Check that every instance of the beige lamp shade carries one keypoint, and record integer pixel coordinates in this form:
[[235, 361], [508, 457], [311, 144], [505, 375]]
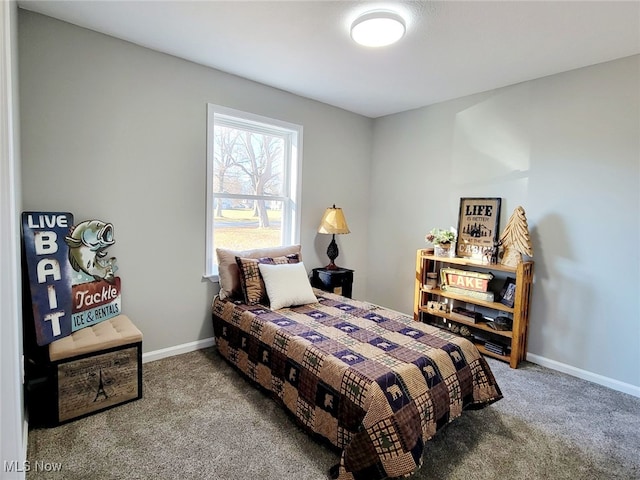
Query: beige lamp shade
[[333, 222]]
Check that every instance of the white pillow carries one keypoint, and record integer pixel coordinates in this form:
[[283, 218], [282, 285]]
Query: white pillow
[[287, 285]]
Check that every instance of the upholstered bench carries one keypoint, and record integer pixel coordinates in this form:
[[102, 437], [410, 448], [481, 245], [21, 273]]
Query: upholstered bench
[[95, 368], [111, 333]]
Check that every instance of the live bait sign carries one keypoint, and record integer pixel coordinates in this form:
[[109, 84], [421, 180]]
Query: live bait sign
[[71, 282]]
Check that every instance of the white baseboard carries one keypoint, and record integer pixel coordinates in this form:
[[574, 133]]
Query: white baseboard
[[177, 350], [583, 374]]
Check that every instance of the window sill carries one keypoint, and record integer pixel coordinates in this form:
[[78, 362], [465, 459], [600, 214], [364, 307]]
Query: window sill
[[214, 278]]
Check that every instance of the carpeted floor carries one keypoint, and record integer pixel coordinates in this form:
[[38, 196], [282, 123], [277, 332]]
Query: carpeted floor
[[198, 419]]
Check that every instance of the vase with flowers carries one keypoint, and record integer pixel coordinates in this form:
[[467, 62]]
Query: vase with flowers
[[443, 242]]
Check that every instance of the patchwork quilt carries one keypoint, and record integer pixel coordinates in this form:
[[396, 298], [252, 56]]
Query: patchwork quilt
[[373, 382]]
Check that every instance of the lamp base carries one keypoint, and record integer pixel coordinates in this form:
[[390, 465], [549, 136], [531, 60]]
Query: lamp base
[[332, 253]]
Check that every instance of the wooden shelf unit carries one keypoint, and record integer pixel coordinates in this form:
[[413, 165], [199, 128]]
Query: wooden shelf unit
[[516, 339]]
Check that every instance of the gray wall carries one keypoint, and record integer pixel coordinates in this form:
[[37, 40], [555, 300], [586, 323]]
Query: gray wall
[[566, 148], [114, 131]]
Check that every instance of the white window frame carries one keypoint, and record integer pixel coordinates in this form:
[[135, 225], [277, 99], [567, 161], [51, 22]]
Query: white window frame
[[290, 233]]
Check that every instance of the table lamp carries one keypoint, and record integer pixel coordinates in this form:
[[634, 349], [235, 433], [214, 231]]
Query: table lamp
[[332, 223]]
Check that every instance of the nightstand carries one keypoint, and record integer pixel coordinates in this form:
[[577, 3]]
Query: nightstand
[[337, 281]]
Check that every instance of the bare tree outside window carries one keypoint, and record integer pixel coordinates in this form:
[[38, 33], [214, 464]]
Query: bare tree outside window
[[252, 173]]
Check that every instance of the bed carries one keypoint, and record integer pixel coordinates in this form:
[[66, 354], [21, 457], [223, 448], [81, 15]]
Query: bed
[[371, 381]]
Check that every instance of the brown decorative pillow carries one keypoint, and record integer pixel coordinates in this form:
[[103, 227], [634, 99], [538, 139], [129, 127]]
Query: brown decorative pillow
[[251, 280], [228, 272]]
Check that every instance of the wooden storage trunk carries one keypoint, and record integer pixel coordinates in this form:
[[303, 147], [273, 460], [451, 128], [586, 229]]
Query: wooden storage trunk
[[94, 369], [94, 382]]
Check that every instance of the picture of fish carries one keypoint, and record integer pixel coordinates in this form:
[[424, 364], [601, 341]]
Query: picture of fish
[[88, 242]]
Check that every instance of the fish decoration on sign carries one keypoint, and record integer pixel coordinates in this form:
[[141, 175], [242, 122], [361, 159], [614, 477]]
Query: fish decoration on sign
[[88, 242]]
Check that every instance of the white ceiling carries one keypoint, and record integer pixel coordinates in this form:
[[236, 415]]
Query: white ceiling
[[451, 49]]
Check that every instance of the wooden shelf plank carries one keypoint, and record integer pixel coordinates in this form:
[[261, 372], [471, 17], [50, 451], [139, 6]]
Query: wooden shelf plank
[[472, 263], [484, 351], [475, 301]]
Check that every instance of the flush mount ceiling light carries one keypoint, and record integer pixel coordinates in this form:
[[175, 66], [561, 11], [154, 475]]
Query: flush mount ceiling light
[[378, 28]]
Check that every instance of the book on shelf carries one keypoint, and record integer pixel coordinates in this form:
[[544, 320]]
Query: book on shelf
[[459, 313], [496, 348]]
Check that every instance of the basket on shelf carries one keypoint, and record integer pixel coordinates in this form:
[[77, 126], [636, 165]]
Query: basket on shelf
[[444, 250]]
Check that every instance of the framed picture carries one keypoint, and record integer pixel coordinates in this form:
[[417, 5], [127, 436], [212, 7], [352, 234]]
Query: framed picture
[[478, 228], [508, 292]]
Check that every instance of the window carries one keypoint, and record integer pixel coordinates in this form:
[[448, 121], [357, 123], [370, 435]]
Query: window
[[253, 177]]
